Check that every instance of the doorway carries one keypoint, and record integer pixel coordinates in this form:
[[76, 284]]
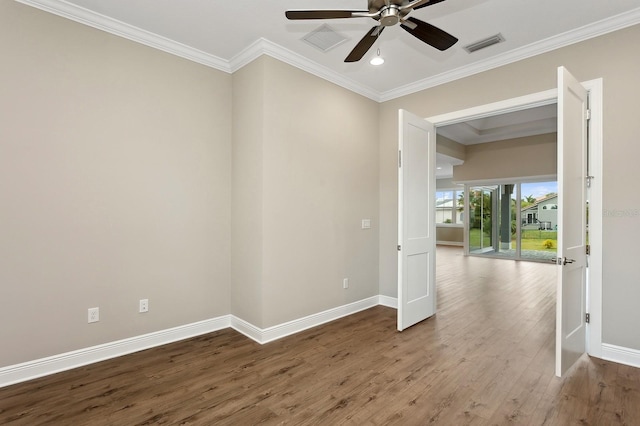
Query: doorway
[[594, 278]]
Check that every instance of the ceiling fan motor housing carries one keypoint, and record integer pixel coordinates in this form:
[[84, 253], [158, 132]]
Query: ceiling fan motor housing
[[390, 16]]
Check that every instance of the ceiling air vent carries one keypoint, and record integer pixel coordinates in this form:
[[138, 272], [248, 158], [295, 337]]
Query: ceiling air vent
[[324, 38], [481, 44]]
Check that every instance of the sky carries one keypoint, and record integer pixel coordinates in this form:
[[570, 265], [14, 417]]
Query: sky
[[539, 189]]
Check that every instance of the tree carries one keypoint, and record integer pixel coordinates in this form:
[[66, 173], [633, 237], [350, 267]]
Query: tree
[[528, 200]]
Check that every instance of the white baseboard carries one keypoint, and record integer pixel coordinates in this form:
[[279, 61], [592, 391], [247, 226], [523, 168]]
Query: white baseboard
[[449, 243], [54, 364], [621, 355], [279, 331], [17, 373], [45, 366], [390, 302]]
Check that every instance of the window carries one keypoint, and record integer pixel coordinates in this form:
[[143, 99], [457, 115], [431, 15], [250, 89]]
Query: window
[[449, 206]]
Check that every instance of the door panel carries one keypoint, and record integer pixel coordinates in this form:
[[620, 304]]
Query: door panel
[[416, 220], [572, 172]]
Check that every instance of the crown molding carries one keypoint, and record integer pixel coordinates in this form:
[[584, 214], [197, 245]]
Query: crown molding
[[263, 46], [586, 32], [121, 29]]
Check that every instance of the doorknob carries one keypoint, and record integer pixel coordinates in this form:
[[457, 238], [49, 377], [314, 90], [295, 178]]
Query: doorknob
[[561, 261]]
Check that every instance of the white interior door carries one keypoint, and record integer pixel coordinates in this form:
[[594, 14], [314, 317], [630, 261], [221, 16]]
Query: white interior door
[[572, 186], [416, 220]]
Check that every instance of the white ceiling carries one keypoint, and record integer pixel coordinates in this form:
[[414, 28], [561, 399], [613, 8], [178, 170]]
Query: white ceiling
[[228, 34]]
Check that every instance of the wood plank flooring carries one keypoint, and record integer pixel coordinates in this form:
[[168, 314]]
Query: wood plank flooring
[[486, 358]]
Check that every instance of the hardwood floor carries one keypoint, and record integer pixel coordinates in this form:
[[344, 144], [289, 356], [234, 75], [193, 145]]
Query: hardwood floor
[[486, 358]]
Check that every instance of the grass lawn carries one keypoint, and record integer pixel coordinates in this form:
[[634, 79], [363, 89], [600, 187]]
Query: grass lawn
[[535, 244], [534, 240], [531, 240]]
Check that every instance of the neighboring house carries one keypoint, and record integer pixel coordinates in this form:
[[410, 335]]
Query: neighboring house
[[543, 214], [446, 209]]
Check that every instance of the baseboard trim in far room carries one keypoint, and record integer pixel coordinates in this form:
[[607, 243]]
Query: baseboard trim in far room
[[18, 373]]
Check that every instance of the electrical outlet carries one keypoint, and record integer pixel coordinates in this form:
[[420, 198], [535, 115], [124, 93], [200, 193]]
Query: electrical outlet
[[345, 283], [94, 315], [144, 305]]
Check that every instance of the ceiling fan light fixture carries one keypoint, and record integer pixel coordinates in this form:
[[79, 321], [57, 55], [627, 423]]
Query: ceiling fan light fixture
[[377, 60]]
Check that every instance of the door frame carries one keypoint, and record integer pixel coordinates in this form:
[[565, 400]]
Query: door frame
[[594, 271]]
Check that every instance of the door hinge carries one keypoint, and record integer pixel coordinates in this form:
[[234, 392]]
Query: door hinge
[[588, 249], [399, 247], [587, 114], [589, 179], [399, 159], [587, 318]]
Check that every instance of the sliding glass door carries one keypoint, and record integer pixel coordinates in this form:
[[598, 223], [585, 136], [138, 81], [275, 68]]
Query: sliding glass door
[[512, 220], [481, 219]]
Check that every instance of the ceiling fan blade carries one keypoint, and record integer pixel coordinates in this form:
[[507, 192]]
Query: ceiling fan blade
[[365, 44], [323, 14], [427, 4], [429, 34]]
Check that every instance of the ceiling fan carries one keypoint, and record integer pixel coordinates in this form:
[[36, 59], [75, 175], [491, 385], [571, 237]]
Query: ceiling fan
[[387, 13]]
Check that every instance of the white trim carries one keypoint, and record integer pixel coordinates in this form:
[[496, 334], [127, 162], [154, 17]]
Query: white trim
[[244, 327], [286, 329], [511, 179], [279, 331], [450, 243], [124, 30], [621, 355], [263, 46], [594, 341], [388, 301], [54, 364], [519, 103], [586, 32], [17, 373]]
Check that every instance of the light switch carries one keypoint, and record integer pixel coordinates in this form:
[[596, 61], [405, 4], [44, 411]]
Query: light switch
[[366, 223]]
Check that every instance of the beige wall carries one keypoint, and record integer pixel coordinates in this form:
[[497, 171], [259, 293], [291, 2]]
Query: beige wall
[[514, 158], [317, 148], [114, 186], [450, 234], [247, 193], [116, 183], [608, 57], [450, 147]]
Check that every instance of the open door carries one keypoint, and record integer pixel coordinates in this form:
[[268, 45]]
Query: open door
[[416, 220], [572, 227]]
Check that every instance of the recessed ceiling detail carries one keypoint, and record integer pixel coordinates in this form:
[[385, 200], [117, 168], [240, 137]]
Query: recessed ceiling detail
[[481, 44], [518, 124], [324, 38]]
